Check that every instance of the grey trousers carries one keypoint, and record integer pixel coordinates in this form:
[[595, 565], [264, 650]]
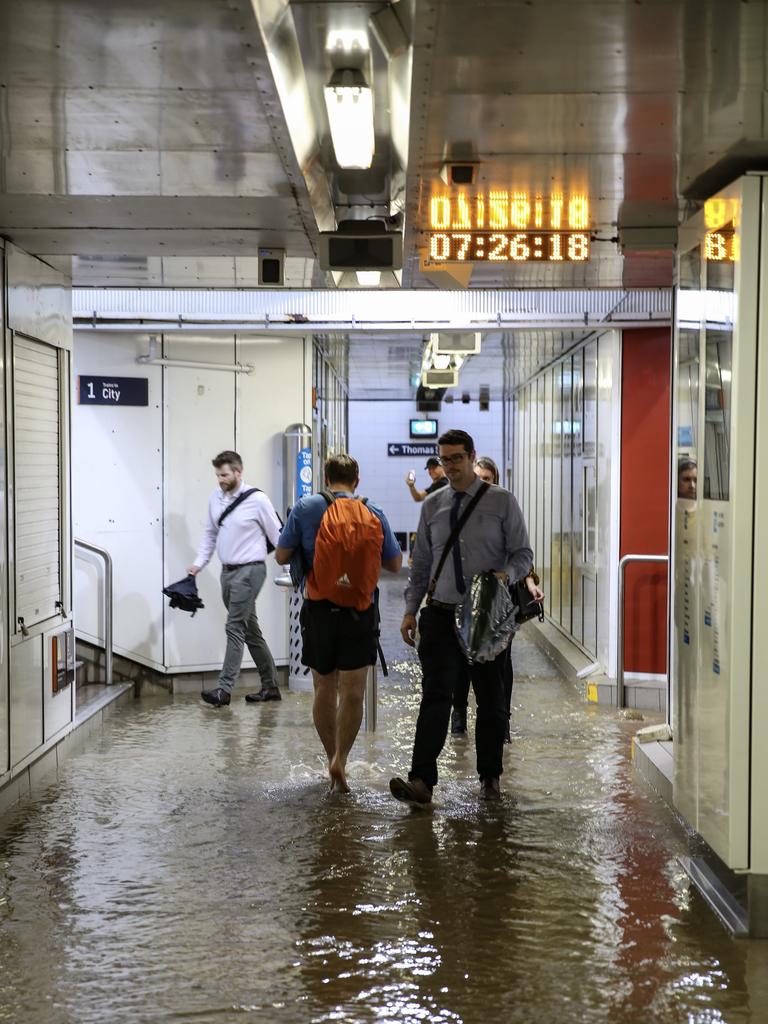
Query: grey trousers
[[239, 589]]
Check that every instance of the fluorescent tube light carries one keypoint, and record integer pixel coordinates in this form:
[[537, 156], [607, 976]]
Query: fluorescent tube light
[[349, 102], [369, 278]]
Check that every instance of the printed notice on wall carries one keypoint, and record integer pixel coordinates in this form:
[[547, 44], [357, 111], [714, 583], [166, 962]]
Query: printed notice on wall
[[113, 390]]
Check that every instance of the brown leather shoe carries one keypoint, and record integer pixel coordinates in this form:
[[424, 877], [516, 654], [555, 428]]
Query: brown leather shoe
[[412, 792], [490, 789], [271, 693]]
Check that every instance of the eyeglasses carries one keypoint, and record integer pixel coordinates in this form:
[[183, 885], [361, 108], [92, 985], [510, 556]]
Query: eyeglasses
[[452, 460]]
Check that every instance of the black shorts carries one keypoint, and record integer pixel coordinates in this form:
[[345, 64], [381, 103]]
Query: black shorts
[[337, 638]]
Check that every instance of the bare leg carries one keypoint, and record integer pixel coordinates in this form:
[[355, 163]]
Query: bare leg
[[348, 719], [324, 710]]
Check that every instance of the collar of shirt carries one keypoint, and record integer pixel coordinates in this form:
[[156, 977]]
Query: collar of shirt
[[472, 489]]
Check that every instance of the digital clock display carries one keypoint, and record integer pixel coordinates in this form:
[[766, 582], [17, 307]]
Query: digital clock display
[[721, 246], [503, 226]]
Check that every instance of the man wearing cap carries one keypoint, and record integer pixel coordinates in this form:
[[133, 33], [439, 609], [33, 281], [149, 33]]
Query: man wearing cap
[[436, 472]]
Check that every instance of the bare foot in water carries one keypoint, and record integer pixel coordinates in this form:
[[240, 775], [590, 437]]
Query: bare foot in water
[[338, 778]]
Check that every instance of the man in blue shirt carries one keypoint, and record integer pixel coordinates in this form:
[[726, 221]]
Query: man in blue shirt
[[338, 643]]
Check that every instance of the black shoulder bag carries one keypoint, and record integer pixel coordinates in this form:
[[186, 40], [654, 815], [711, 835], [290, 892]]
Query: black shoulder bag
[[453, 537], [527, 607], [238, 501]]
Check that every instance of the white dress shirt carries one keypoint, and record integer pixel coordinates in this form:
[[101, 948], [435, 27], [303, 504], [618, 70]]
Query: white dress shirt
[[242, 536]]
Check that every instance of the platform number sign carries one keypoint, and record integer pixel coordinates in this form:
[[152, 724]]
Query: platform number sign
[[113, 390]]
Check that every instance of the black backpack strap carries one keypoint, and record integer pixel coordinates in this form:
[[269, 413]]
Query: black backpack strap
[[377, 631], [454, 537], [329, 496], [238, 501]]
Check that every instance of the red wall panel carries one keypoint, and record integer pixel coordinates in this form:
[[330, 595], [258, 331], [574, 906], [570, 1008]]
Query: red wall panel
[[645, 446]]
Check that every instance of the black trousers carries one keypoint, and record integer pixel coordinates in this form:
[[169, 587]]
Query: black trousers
[[504, 661], [443, 668]]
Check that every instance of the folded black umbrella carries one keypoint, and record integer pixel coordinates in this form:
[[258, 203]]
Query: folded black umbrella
[[183, 594]]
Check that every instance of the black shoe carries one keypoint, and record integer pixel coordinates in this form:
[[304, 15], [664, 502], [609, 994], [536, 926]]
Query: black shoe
[[490, 789], [218, 697], [413, 792], [459, 722], [270, 693]]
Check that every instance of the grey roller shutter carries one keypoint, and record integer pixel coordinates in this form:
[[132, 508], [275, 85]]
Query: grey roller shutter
[[37, 480]]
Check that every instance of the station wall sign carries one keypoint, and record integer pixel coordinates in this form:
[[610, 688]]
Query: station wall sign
[[419, 448], [113, 390]]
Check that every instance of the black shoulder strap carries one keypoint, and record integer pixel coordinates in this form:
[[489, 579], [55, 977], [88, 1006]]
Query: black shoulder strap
[[238, 501], [329, 496], [454, 537]]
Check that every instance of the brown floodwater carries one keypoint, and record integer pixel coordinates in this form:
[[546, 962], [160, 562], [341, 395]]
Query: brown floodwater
[[188, 866]]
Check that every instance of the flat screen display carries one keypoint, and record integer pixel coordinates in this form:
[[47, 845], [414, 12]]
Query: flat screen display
[[423, 428]]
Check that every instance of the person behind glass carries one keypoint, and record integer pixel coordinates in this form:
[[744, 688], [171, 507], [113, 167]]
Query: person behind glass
[[240, 541], [495, 539], [687, 474], [436, 472]]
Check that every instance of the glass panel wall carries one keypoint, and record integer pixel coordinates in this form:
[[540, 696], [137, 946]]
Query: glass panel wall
[[577, 475], [557, 489], [566, 468], [555, 423], [544, 555], [589, 483]]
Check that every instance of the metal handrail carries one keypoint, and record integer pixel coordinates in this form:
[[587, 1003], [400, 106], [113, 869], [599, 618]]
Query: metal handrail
[[620, 667], [108, 603]]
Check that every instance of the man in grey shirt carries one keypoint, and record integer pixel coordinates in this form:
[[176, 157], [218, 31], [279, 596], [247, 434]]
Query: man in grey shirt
[[494, 539]]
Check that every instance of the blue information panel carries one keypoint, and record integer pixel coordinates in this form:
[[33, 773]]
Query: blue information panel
[[416, 448], [304, 472], [113, 390]]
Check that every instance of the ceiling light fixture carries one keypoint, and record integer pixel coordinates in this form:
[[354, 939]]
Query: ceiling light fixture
[[349, 101], [369, 278]]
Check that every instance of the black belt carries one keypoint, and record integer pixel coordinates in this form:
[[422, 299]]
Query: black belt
[[442, 605], [241, 565]]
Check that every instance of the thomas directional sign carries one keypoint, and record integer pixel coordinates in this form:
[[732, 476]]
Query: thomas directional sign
[[419, 448], [113, 390]]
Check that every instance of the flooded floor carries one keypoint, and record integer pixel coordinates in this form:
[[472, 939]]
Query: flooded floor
[[189, 866]]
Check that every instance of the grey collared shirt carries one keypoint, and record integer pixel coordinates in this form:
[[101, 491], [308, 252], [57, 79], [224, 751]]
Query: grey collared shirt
[[494, 538]]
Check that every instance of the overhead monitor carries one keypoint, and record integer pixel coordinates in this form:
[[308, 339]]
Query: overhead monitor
[[423, 428], [466, 343], [440, 378]]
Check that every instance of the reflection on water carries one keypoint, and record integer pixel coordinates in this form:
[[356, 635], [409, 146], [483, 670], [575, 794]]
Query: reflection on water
[[189, 866]]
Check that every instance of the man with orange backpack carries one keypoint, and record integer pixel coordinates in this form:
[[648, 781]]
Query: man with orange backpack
[[344, 541]]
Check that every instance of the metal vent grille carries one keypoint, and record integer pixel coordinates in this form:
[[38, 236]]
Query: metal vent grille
[[37, 474]]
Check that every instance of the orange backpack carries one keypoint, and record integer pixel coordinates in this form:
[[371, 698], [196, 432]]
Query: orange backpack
[[347, 562]]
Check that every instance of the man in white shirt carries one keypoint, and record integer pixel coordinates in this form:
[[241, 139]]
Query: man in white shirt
[[241, 520]]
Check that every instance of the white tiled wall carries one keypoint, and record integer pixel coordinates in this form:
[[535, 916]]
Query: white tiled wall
[[373, 425]]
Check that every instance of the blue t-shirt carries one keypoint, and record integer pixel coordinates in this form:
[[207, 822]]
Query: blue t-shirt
[[304, 522]]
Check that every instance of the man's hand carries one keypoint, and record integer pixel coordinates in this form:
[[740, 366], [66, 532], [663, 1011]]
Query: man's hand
[[193, 570], [408, 629], [533, 589]]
